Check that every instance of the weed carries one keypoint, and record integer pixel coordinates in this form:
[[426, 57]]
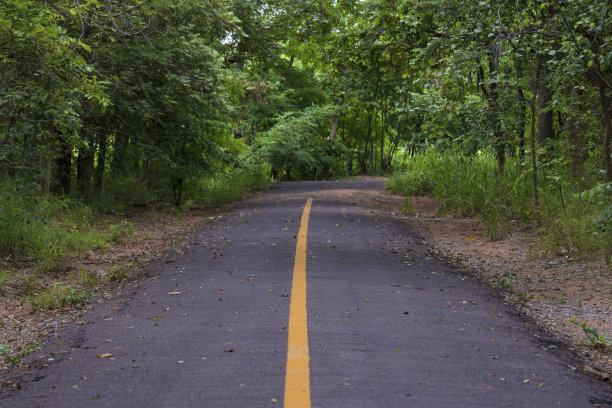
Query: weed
[[523, 297], [123, 229], [507, 281], [28, 285], [119, 272], [407, 207], [593, 338], [562, 300], [58, 296], [52, 257], [90, 279], [4, 278], [15, 358]]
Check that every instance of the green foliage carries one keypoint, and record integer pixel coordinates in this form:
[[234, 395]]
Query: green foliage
[[119, 273], [46, 230], [123, 229], [465, 185], [523, 297], [4, 278], [568, 221], [248, 176], [593, 338], [58, 296], [297, 147], [507, 281], [16, 358], [90, 279]]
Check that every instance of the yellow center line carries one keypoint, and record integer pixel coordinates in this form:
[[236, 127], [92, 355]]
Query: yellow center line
[[297, 378]]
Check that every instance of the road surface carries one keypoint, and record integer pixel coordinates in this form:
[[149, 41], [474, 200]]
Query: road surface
[[351, 310]]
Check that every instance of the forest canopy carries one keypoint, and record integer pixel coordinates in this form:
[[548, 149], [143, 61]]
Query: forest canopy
[[127, 103]]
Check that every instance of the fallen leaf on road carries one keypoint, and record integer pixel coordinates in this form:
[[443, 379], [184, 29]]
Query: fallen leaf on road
[[174, 293], [105, 355]]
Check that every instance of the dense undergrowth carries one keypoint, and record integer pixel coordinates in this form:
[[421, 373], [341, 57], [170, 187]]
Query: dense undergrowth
[[45, 231], [571, 217]]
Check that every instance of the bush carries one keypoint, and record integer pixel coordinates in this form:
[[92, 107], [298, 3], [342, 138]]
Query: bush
[[568, 220], [297, 147], [250, 175]]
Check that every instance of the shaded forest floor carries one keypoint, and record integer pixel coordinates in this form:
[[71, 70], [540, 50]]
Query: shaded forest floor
[[551, 290]]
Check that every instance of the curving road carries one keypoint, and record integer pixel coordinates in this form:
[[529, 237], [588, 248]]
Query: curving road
[[384, 323]]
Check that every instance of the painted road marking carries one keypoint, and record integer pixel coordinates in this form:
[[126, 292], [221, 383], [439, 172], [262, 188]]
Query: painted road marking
[[297, 378]]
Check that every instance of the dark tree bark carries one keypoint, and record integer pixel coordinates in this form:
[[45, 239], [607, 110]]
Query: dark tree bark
[[534, 158], [492, 95], [100, 159], [574, 134], [85, 165], [521, 127], [47, 165], [604, 103], [334, 121], [120, 146], [63, 168], [545, 117]]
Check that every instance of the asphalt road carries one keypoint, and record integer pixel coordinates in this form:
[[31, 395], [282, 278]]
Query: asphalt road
[[389, 324]]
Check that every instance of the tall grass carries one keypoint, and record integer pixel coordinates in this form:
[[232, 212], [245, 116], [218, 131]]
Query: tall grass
[[469, 185], [44, 229], [227, 188]]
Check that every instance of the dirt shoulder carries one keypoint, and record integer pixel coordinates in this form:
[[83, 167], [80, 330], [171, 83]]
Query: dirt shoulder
[[156, 233], [552, 290]]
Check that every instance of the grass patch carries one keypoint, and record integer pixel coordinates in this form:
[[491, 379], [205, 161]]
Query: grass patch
[[58, 296], [227, 188], [569, 219], [119, 273]]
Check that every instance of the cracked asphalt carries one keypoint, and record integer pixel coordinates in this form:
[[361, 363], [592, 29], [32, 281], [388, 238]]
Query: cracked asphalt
[[389, 324]]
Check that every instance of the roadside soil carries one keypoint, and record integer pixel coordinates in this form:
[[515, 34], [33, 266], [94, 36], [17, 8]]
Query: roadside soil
[[551, 290], [156, 233]]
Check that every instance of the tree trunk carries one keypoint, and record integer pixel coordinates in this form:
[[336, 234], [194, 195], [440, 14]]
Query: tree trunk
[[545, 117], [363, 162], [521, 127], [500, 143], [334, 127], [47, 168], [574, 134], [604, 104], [63, 165], [85, 166], [334, 123], [371, 138], [382, 139], [534, 158], [100, 160], [120, 147]]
